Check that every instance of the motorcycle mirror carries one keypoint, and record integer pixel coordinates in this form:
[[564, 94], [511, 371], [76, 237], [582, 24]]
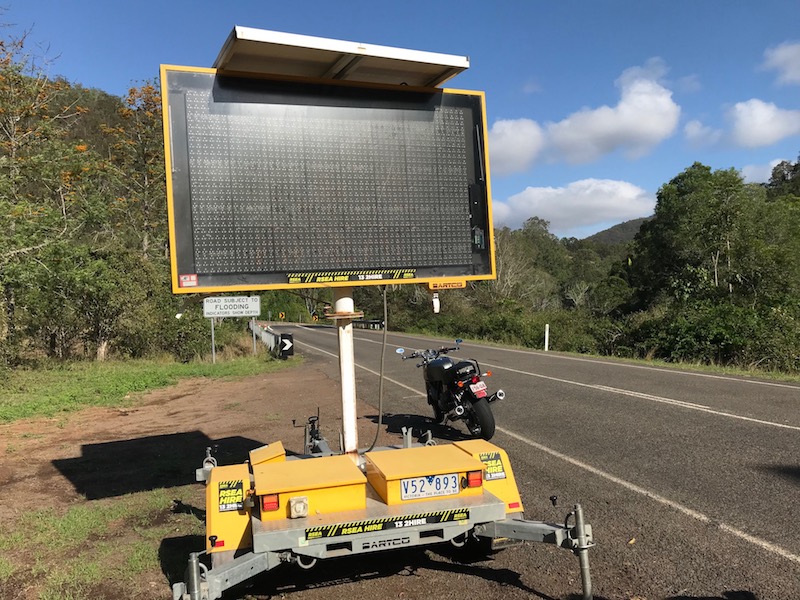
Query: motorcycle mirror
[[401, 351], [458, 341]]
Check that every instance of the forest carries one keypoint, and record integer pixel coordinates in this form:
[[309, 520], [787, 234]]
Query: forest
[[713, 277]]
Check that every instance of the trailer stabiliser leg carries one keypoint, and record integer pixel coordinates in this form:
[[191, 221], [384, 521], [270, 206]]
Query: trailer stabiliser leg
[[578, 539], [193, 576], [582, 551]]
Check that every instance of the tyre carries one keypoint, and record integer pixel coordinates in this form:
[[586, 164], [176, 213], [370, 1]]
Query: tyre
[[481, 422], [438, 415]]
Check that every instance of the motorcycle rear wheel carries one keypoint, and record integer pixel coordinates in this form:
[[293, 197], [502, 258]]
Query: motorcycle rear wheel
[[481, 421]]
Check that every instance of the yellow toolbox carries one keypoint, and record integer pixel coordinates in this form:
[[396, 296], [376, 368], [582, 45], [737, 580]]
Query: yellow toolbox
[[310, 486], [227, 512], [401, 476]]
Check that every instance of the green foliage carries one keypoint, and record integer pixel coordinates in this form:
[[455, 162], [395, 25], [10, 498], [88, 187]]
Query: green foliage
[[712, 277], [89, 550], [60, 388]]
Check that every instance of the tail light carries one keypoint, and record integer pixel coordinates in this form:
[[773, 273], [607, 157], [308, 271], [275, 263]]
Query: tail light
[[474, 479], [270, 503]]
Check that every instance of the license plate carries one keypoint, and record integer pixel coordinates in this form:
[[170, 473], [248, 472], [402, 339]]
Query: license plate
[[430, 486], [479, 389]]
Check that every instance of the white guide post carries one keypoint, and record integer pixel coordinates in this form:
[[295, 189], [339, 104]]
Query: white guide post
[[344, 312]]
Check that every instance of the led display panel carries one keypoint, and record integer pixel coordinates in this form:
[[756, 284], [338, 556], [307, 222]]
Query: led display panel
[[275, 184]]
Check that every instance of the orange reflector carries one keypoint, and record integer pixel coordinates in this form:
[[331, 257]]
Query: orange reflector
[[474, 479], [460, 383], [488, 373], [513, 505], [270, 502]]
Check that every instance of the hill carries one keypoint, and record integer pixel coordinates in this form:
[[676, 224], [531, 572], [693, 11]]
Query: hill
[[618, 234]]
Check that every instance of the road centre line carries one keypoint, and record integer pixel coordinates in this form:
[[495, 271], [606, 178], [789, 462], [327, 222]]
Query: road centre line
[[652, 398], [633, 394], [698, 516], [622, 364]]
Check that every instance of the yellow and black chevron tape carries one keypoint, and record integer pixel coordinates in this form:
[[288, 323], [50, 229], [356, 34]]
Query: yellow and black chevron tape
[[372, 525]]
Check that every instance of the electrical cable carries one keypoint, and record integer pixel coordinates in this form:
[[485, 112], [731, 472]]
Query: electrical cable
[[383, 358]]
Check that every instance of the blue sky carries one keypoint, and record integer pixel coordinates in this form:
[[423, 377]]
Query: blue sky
[[592, 105]]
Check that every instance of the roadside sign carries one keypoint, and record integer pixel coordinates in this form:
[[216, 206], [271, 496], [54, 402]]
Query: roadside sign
[[239, 306], [287, 345], [282, 315]]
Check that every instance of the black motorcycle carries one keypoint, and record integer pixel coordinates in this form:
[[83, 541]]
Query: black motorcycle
[[456, 391]]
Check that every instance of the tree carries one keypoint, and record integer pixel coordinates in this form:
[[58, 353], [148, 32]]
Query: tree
[[689, 246], [785, 181], [41, 181], [139, 208]]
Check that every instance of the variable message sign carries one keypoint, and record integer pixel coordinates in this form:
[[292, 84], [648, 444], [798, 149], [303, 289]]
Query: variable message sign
[[279, 184]]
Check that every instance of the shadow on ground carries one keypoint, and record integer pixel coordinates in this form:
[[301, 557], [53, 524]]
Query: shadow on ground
[[405, 563], [419, 424], [791, 472], [160, 461]]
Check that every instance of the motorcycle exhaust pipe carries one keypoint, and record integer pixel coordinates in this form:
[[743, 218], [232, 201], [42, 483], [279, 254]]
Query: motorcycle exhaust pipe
[[498, 395]]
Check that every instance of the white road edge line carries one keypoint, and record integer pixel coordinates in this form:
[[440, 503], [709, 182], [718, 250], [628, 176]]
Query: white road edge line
[[543, 354], [642, 395], [698, 516], [652, 398]]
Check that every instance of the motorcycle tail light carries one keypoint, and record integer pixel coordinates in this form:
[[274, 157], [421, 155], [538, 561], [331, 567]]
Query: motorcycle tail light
[[474, 479], [475, 379]]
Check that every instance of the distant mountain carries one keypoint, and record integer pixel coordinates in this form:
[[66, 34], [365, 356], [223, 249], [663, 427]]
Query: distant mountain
[[618, 234]]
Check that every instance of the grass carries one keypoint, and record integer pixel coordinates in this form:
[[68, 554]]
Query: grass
[[6, 569], [111, 547], [65, 388], [678, 366], [87, 550]]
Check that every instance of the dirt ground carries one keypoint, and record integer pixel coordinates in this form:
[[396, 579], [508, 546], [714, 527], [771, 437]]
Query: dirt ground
[[104, 454]]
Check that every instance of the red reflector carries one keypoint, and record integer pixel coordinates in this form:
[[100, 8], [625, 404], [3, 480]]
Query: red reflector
[[219, 544], [270, 502], [475, 479], [513, 505]]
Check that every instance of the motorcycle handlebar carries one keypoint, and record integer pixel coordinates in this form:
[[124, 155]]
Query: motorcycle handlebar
[[430, 353]]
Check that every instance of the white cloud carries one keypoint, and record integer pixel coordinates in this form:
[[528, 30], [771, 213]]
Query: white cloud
[[577, 206], [699, 135], [645, 116], [514, 145], [785, 59], [758, 123], [759, 173]]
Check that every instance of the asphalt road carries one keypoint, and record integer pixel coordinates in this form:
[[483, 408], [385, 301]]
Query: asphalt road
[[691, 481]]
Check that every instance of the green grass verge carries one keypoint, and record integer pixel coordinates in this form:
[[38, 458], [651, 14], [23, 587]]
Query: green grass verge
[[69, 387], [676, 366], [89, 550]]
